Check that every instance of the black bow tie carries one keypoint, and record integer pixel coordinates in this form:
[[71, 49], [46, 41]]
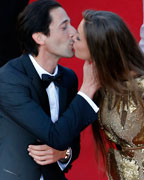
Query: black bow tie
[[47, 79]]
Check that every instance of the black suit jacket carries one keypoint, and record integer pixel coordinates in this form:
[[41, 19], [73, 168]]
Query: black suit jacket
[[24, 119]]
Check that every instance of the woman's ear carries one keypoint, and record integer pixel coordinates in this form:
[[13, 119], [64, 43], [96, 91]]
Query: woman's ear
[[39, 38]]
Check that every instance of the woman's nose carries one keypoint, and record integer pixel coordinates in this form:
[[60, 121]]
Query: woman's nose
[[74, 37]]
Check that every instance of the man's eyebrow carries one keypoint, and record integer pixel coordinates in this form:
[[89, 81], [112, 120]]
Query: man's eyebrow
[[65, 21]]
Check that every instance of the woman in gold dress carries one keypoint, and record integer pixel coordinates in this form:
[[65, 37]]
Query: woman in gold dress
[[105, 40]]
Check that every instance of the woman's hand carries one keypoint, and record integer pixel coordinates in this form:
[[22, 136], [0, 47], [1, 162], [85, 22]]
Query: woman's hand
[[90, 79]]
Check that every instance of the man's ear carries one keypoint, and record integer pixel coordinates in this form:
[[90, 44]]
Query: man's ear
[[39, 38]]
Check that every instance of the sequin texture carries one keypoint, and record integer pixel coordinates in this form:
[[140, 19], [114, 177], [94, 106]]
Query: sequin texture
[[122, 119]]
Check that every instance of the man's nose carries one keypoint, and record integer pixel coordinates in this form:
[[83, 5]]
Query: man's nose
[[72, 31]]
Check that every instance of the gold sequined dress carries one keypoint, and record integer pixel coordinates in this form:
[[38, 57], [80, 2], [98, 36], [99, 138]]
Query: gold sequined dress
[[123, 121]]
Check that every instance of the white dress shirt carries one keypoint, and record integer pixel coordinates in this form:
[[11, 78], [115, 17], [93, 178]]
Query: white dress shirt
[[141, 43]]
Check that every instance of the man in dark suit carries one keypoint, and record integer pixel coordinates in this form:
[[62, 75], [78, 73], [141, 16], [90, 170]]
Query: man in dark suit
[[9, 47], [36, 108]]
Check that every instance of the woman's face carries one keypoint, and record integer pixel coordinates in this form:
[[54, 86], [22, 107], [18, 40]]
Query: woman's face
[[80, 43]]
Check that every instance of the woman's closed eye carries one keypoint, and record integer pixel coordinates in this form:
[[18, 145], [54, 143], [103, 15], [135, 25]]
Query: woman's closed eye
[[78, 38]]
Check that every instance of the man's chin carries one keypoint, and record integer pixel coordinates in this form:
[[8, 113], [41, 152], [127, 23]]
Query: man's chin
[[70, 54], [67, 54]]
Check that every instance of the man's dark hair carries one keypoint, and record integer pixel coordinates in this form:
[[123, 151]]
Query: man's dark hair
[[35, 18]]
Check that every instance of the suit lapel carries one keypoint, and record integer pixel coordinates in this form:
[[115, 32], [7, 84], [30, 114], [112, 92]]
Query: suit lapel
[[62, 93], [36, 82], [62, 99]]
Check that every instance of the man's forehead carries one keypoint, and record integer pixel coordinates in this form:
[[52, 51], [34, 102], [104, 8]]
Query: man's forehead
[[59, 16]]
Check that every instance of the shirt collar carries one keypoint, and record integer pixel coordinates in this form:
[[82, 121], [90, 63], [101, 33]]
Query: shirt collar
[[39, 69]]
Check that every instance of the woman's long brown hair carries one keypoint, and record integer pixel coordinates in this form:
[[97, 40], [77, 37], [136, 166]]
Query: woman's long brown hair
[[115, 53]]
